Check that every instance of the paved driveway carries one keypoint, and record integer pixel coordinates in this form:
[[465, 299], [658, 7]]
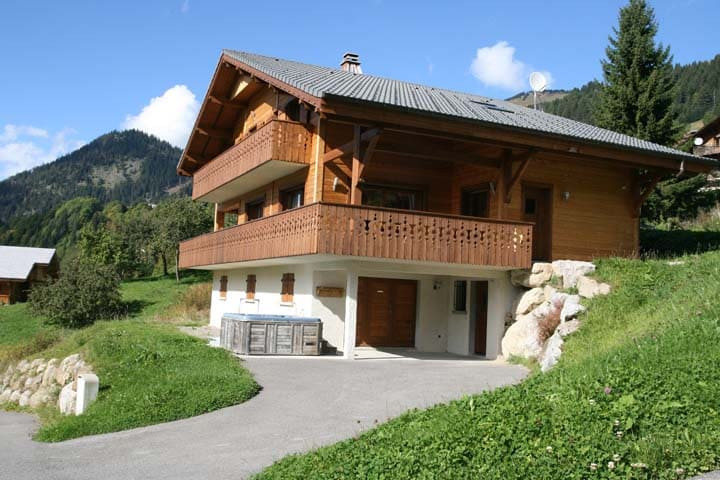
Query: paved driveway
[[305, 403]]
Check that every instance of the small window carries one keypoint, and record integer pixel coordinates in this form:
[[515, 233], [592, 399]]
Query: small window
[[392, 197], [223, 287], [250, 289], [254, 209], [530, 206], [292, 198], [288, 287], [460, 296]]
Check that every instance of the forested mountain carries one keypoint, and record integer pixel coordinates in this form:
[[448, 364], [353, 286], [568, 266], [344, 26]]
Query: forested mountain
[[697, 96], [126, 166], [47, 206]]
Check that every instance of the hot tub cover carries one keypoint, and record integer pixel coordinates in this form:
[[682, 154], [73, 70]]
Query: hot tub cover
[[256, 317]]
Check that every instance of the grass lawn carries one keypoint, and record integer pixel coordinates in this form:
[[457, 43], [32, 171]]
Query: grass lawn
[[638, 386], [149, 371]]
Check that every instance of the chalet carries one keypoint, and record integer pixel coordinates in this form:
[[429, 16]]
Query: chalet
[[21, 268], [393, 211], [707, 140]]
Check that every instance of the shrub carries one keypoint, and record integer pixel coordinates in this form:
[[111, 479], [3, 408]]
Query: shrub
[[192, 308], [548, 323], [85, 292]]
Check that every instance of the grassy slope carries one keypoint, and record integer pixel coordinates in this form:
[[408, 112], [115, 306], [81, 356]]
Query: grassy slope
[[149, 372], [654, 343]]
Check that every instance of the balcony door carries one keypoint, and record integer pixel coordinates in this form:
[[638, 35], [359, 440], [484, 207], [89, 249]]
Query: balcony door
[[386, 311], [475, 202], [537, 208]]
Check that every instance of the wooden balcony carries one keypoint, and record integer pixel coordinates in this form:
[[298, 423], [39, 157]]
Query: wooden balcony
[[707, 150], [276, 149], [359, 231]]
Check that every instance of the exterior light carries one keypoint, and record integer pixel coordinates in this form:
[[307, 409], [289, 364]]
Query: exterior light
[[566, 196]]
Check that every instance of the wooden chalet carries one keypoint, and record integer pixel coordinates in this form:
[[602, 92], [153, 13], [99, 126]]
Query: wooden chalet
[[23, 267], [409, 202]]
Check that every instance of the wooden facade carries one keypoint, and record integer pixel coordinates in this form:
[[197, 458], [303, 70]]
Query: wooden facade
[[396, 185]]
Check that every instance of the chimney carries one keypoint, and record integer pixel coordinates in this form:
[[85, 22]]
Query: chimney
[[351, 63]]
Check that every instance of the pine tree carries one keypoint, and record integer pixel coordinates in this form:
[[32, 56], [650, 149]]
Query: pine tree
[[637, 95]]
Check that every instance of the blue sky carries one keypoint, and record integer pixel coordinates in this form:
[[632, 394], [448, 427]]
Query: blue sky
[[73, 70]]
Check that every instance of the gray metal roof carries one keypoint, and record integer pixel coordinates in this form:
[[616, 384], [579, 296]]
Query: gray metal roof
[[323, 82], [16, 263]]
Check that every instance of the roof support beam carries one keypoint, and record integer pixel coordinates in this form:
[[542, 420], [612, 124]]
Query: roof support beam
[[642, 191], [215, 132], [347, 148], [524, 159]]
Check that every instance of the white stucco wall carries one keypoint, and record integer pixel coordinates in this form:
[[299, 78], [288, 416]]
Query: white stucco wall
[[437, 327]]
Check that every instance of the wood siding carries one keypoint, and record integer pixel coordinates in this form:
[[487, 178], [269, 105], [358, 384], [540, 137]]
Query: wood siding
[[277, 140], [365, 232]]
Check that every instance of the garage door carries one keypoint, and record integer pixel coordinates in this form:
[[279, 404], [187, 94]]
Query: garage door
[[386, 312]]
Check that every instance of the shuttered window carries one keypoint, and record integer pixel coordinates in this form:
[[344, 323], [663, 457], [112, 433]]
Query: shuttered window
[[223, 287], [288, 287], [250, 290]]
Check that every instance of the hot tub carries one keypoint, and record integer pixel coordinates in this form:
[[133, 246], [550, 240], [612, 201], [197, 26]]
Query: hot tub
[[254, 334]]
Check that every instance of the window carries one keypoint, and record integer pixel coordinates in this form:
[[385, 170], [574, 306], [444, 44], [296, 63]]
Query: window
[[292, 198], [475, 202], [250, 288], [460, 296], [392, 197], [223, 287], [288, 287], [254, 209]]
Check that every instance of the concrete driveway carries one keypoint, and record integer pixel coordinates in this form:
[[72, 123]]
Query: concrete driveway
[[305, 403]]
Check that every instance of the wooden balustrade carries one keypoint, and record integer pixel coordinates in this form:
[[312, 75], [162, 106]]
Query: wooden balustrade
[[706, 150], [361, 231], [277, 140]]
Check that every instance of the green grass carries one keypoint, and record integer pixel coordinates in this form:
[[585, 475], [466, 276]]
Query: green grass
[[645, 363], [149, 371]]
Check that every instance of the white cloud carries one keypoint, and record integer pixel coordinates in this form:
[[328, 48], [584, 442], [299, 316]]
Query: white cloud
[[23, 147], [170, 116], [185, 7], [496, 66]]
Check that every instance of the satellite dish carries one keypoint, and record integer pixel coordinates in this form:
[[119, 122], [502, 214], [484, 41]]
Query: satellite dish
[[698, 141], [538, 82]]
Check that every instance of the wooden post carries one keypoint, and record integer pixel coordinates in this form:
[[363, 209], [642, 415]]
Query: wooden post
[[219, 218], [319, 163], [355, 192]]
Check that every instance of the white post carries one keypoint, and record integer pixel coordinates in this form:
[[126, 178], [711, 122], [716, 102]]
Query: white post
[[350, 314], [87, 390]]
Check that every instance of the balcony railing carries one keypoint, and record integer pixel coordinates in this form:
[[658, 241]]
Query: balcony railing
[[277, 140], [706, 150], [361, 231]]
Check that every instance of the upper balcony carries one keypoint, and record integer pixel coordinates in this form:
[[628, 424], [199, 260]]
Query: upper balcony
[[276, 149], [707, 150], [361, 231]]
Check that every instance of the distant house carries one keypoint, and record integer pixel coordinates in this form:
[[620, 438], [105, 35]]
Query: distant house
[[21, 268], [707, 140]]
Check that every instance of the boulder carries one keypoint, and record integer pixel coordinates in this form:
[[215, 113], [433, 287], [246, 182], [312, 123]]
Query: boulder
[[529, 300], [566, 328], [67, 369], [15, 396], [24, 400], [571, 308], [537, 276], [551, 353], [5, 395], [50, 372], [23, 366], [32, 383], [571, 270], [42, 397], [66, 399], [549, 291], [522, 338], [589, 287]]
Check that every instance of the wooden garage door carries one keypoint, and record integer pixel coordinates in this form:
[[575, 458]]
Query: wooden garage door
[[386, 312]]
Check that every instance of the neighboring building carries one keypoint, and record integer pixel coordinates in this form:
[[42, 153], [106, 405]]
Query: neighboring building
[[706, 142], [394, 211], [21, 268]]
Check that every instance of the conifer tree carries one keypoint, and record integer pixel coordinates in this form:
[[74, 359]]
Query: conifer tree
[[637, 94]]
